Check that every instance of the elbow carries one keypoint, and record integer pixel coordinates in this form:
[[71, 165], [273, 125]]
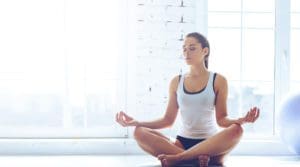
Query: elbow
[[168, 122], [221, 122]]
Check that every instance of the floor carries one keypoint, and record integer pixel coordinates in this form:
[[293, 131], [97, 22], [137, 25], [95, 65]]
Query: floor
[[137, 161]]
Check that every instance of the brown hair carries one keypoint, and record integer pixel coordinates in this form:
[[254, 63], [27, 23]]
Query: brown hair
[[204, 42]]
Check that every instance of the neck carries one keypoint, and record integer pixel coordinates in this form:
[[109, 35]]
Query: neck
[[198, 70]]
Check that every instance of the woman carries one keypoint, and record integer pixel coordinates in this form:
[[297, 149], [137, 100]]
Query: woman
[[201, 97]]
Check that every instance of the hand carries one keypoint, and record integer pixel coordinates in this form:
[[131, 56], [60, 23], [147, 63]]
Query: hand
[[250, 117], [125, 120]]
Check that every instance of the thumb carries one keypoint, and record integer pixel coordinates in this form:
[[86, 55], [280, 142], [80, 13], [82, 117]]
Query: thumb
[[127, 117]]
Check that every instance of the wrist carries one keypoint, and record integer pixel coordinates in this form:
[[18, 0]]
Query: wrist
[[239, 121], [138, 123]]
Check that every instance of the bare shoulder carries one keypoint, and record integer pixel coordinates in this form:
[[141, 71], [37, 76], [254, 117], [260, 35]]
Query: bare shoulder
[[174, 82], [220, 82]]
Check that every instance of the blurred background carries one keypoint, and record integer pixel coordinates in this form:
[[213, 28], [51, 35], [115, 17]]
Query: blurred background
[[67, 66]]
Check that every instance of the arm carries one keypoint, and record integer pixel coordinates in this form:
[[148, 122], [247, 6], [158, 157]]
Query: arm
[[221, 91], [164, 122]]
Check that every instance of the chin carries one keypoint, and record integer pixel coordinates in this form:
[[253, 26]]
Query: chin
[[188, 62]]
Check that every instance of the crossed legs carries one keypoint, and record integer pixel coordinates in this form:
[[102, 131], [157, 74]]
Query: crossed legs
[[154, 142], [216, 146]]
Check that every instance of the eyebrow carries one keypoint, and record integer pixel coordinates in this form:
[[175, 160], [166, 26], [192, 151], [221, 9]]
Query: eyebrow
[[189, 45]]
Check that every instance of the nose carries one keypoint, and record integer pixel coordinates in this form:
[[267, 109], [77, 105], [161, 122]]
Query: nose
[[186, 54]]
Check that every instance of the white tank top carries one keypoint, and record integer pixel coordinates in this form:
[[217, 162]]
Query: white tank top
[[197, 110]]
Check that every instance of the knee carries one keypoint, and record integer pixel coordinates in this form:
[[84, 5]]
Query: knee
[[237, 130], [139, 133]]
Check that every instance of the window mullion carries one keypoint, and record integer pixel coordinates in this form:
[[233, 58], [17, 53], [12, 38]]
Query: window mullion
[[282, 53]]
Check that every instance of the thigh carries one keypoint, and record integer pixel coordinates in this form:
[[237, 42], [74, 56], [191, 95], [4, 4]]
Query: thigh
[[155, 142], [179, 144], [158, 133]]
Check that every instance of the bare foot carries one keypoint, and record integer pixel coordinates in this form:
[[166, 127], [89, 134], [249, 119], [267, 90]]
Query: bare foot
[[168, 160], [203, 160]]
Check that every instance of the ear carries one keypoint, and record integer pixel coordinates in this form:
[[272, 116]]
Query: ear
[[205, 50]]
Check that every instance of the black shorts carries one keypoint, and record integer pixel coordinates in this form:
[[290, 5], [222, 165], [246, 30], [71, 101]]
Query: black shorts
[[188, 142]]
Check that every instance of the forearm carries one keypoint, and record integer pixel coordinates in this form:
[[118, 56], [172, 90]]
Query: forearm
[[226, 122], [156, 124]]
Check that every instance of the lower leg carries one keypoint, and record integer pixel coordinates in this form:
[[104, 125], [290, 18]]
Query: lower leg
[[218, 144], [154, 142]]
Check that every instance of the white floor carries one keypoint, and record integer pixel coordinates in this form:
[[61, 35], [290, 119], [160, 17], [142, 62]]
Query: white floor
[[136, 161]]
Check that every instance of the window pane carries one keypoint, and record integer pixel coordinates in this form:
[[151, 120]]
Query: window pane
[[259, 20], [295, 5], [295, 86], [295, 50], [31, 66], [221, 5], [259, 5], [260, 94], [241, 53], [258, 54], [225, 56], [58, 68], [221, 19], [295, 56], [295, 23]]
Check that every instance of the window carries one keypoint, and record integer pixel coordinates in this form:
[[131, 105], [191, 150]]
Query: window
[[241, 34], [295, 52], [61, 68]]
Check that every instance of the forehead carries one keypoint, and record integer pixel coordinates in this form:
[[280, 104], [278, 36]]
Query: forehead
[[190, 41]]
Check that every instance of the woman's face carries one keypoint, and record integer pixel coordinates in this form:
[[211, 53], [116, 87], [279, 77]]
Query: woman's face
[[193, 52]]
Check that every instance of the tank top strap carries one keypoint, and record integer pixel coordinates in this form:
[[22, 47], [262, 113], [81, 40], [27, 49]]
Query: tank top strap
[[211, 79], [180, 83]]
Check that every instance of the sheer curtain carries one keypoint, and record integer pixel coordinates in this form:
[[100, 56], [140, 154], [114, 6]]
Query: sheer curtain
[[61, 68]]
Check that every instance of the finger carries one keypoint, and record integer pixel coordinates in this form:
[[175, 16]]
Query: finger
[[127, 117], [254, 110], [120, 117], [121, 120], [251, 119], [116, 117], [164, 163], [161, 156], [252, 115], [247, 115], [248, 119], [122, 123], [257, 115]]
